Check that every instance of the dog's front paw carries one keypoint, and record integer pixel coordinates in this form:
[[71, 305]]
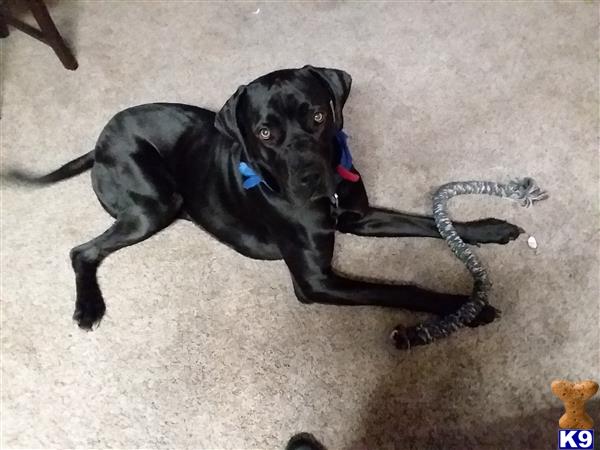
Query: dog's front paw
[[89, 313], [487, 315], [491, 231]]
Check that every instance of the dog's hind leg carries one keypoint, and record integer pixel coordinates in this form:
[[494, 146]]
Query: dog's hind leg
[[133, 184], [132, 226]]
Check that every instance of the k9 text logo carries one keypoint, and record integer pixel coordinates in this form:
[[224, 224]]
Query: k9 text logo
[[569, 439]]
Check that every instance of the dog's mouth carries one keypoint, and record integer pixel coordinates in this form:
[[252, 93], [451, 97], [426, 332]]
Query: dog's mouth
[[324, 188]]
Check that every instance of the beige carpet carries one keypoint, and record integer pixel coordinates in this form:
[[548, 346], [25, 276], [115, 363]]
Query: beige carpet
[[202, 348]]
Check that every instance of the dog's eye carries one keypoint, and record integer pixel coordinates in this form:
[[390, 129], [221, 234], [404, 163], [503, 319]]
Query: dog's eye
[[265, 134], [319, 117]]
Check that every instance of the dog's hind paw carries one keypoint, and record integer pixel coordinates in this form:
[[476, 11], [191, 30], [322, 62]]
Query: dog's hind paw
[[89, 314]]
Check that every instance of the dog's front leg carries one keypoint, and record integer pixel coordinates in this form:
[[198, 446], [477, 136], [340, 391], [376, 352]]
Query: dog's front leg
[[308, 254], [386, 223]]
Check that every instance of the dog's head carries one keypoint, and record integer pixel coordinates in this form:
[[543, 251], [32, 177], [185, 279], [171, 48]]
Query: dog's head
[[286, 123]]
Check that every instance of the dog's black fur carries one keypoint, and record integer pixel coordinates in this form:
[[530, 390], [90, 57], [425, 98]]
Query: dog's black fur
[[156, 163]]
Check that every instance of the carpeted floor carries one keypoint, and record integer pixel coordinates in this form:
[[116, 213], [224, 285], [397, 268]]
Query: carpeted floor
[[202, 348]]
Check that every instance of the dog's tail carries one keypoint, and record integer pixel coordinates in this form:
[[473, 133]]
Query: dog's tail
[[70, 169]]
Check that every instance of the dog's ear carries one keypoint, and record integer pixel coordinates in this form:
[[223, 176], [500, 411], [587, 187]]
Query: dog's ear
[[226, 121], [339, 83]]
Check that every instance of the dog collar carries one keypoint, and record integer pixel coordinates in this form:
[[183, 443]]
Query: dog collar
[[251, 179], [345, 165]]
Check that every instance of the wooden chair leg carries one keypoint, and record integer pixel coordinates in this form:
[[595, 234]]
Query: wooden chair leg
[[51, 34], [3, 27]]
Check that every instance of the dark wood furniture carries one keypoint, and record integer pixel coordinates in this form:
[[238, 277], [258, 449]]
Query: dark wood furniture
[[48, 34]]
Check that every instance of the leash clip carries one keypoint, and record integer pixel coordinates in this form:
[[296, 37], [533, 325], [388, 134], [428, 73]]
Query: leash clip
[[335, 200]]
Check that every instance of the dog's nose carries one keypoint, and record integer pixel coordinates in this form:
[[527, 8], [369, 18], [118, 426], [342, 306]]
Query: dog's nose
[[310, 179]]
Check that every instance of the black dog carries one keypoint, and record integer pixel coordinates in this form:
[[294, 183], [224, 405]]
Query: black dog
[[156, 163]]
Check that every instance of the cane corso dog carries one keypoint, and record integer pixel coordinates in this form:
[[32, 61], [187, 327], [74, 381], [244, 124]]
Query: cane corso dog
[[266, 176]]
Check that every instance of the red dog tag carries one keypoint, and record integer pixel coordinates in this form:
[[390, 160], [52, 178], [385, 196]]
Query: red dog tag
[[347, 175]]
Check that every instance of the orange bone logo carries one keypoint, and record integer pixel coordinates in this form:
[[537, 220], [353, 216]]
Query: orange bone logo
[[574, 396]]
